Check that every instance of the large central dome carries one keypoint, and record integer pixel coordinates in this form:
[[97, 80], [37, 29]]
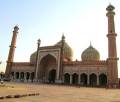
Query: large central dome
[[90, 54], [67, 50]]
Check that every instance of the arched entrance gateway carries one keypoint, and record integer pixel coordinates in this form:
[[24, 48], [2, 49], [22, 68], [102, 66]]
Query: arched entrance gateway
[[102, 80], [83, 78], [67, 78], [93, 79], [47, 69]]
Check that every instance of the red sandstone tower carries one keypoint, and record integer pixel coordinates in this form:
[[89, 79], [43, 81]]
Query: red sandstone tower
[[112, 51], [11, 54]]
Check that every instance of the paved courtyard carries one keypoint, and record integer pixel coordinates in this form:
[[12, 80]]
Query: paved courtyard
[[57, 93]]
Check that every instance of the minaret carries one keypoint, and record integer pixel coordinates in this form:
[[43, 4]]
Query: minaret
[[62, 57], [112, 51], [11, 53], [37, 60]]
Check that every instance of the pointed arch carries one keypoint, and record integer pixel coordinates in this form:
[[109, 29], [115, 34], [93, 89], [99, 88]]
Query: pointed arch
[[67, 78], [32, 76], [102, 79], [75, 78], [93, 79], [47, 63], [83, 79], [17, 75], [27, 75]]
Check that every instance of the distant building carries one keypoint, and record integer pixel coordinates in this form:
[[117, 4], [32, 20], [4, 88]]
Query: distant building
[[54, 63]]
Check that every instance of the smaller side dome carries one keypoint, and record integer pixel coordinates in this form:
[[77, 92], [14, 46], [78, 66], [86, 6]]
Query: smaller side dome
[[90, 54], [33, 58]]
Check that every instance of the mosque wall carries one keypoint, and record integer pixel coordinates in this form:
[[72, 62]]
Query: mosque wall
[[23, 68], [85, 69]]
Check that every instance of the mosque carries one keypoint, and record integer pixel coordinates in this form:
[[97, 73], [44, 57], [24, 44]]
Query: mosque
[[54, 64]]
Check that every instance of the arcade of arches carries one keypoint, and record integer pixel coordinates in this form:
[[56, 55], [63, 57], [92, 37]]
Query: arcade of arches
[[47, 72], [85, 80], [82, 79], [22, 76]]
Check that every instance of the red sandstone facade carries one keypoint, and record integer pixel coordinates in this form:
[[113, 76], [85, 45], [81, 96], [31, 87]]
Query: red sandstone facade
[[11, 53], [112, 51], [54, 64]]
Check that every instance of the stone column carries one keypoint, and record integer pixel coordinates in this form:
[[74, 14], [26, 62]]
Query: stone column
[[25, 77], [13, 77], [70, 79], [79, 79], [98, 80], [29, 80], [88, 79]]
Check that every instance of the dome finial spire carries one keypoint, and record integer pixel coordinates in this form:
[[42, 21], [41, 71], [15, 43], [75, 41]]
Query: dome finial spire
[[63, 37], [67, 50], [109, 3], [90, 43]]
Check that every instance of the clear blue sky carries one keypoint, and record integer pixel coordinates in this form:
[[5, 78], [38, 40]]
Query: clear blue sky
[[81, 21]]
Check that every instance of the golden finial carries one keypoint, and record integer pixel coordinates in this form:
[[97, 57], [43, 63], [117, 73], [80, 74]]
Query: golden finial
[[90, 43], [63, 37]]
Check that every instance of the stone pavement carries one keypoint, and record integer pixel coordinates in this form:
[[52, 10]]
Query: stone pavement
[[57, 93]]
